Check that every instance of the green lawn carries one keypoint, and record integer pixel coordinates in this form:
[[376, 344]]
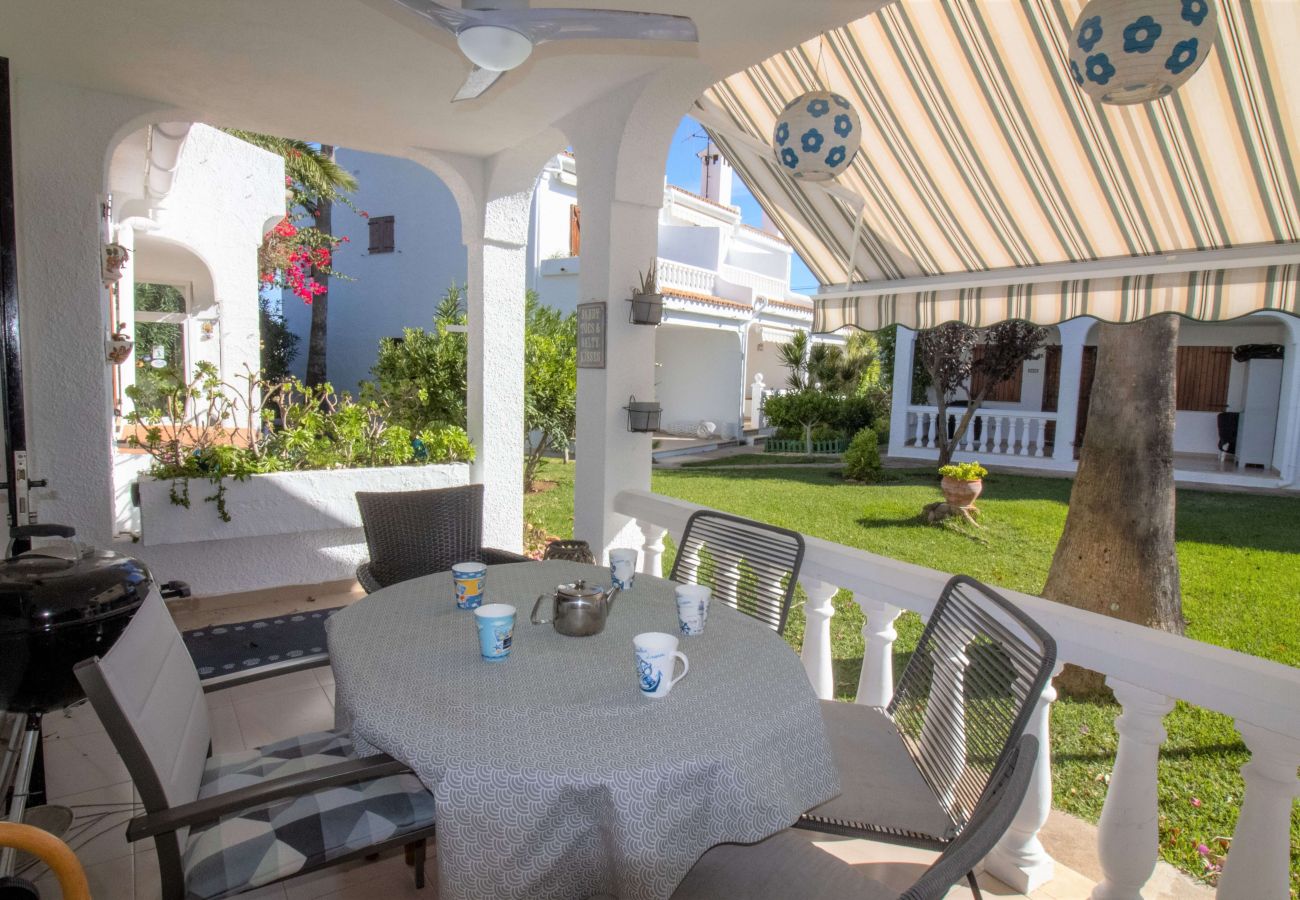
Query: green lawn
[[761, 459], [1239, 556]]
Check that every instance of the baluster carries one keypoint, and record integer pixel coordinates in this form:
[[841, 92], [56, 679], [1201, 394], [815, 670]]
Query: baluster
[[876, 684], [1041, 448], [1127, 836], [931, 438], [919, 438], [1022, 433], [1257, 865], [1019, 859], [652, 548], [995, 445], [818, 659]]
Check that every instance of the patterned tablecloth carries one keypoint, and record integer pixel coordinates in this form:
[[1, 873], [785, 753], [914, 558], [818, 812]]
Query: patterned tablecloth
[[553, 776]]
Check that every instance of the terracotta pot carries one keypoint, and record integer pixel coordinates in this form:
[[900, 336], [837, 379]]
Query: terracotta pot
[[961, 493]]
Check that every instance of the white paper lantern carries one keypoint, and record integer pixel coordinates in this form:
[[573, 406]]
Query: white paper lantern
[[1135, 51], [816, 136]]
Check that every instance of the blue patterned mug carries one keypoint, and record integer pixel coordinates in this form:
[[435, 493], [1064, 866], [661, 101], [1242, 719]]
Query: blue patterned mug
[[692, 607], [656, 657], [622, 567], [470, 578], [496, 630]]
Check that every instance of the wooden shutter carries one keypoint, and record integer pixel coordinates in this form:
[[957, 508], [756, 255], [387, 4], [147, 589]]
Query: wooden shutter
[[1087, 372], [1004, 391], [1051, 378], [575, 230], [381, 234], [1202, 378]]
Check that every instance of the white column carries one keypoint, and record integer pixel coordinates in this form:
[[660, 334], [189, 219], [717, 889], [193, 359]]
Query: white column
[[876, 683], [1019, 859], [1072, 334], [818, 658], [652, 549], [904, 352], [756, 400], [496, 365], [1257, 864], [1127, 836]]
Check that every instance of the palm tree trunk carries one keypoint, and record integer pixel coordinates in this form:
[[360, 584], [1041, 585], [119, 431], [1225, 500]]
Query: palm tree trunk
[[1117, 556], [318, 338]]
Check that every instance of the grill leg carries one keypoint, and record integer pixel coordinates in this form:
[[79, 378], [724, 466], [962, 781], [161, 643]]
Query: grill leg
[[419, 864]]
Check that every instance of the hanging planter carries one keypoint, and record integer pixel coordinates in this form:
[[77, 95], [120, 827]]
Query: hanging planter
[[112, 261], [817, 135], [1135, 51], [119, 345], [647, 302], [642, 415]]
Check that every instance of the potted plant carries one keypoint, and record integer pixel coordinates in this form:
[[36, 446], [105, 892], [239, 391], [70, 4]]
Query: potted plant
[[962, 483], [119, 345], [112, 261], [647, 302]]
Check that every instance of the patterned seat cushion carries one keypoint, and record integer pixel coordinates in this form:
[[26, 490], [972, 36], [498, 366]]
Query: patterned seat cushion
[[287, 836]]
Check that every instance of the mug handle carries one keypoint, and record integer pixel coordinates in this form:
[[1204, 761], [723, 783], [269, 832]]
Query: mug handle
[[686, 667]]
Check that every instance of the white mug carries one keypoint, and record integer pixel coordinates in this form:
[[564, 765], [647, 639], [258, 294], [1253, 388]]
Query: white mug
[[692, 607], [656, 656], [622, 568]]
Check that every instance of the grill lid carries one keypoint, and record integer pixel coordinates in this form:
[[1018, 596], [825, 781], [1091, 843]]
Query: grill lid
[[68, 582]]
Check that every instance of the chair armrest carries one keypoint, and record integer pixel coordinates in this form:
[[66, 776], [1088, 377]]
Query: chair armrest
[[494, 557], [270, 670], [210, 809], [367, 578]]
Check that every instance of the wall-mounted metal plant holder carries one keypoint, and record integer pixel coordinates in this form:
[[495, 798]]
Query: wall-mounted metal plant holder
[[647, 309], [642, 415]]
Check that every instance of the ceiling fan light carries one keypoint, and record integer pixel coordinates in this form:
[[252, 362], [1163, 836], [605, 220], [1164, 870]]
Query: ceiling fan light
[[493, 47]]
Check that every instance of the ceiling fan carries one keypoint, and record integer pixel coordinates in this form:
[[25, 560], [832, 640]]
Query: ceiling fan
[[498, 35]]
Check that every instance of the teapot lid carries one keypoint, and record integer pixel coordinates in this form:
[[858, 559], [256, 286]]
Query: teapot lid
[[580, 588]]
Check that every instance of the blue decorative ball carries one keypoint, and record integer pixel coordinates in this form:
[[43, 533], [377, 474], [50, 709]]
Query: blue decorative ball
[[816, 136], [1136, 51]]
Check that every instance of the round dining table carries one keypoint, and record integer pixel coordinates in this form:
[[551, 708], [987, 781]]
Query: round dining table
[[553, 776]]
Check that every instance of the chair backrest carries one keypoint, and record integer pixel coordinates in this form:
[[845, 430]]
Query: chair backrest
[[968, 691], [750, 566], [990, 820], [415, 533], [146, 692]]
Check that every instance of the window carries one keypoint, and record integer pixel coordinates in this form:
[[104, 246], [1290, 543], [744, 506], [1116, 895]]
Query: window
[[160, 314], [381, 234], [1202, 378], [575, 230]]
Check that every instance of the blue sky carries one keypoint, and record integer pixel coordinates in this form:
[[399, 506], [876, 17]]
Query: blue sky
[[684, 171]]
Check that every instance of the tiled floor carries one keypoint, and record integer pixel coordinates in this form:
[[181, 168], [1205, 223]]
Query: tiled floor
[[84, 772]]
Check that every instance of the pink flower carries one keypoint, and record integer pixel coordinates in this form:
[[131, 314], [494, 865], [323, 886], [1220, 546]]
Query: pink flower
[[1203, 850], [1196, 801]]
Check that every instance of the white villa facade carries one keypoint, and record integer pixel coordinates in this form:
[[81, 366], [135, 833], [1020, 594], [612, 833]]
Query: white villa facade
[[727, 301], [1037, 419]]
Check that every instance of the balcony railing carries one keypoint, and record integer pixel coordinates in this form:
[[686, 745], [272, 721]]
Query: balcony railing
[[996, 432], [685, 277], [1147, 669], [765, 285]]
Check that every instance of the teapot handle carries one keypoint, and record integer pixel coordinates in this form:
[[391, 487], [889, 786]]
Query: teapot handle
[[614, 591], [537, 606]]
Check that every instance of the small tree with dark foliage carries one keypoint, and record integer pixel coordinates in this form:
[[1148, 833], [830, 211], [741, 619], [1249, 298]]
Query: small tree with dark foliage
[[948, 354]]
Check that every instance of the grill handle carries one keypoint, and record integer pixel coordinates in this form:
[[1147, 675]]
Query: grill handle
[[173, 590]]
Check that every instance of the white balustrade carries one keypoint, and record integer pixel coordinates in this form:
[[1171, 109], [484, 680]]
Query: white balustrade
[[766, 285], [817, 655], [1146, 668], [652, 551], [686, 277], [991, 432]]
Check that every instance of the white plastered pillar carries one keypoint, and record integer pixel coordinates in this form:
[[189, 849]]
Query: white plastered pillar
[[1073, 334], [901, 397]]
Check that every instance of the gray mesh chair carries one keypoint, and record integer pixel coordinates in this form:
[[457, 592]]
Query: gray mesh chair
[[750, 566], [914, 772], [789, 865], [233, 822], [415, 533]]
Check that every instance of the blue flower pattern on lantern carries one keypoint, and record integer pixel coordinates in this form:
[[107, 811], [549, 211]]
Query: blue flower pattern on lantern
[[818, 108], [1195, 11], [1183, 56], [835, 157], [1074, 70], [1141, 36], [812, 140], [1099, 68], [841, 102], [805, 147], [1090, 34], [790, 158], [782, 134], [843, 125]]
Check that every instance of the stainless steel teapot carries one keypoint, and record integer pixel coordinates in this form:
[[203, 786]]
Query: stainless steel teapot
[[579, 609]]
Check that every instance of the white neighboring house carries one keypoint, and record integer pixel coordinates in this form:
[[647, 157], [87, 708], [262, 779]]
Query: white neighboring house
[[726, 285], [1037, 420], [191, 204]]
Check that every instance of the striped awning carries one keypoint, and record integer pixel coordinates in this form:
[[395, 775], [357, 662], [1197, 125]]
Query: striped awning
[[979, 153]]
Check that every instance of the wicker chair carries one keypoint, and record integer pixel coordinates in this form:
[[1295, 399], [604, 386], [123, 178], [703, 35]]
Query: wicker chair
[[914, 772], [415, 533], [791, 866], [573, 551], [750, 566]]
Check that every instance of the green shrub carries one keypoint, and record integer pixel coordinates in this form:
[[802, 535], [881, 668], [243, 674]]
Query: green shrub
[[865, 410], [971, 471], [862, 459], [827, 433], [447, 444]]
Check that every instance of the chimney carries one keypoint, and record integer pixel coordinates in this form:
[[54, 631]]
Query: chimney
[[715, 175]]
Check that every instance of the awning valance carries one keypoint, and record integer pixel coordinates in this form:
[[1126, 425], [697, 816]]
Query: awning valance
[[979, 152]]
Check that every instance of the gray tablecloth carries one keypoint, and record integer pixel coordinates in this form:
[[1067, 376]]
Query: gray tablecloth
[[553, 776]]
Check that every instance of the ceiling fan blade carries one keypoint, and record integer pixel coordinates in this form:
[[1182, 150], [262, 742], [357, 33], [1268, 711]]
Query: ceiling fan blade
[[476, 84], [541, 25], [450, 18]]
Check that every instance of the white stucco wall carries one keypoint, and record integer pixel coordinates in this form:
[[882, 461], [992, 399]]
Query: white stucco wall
[[699, 375], [387, 291]]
